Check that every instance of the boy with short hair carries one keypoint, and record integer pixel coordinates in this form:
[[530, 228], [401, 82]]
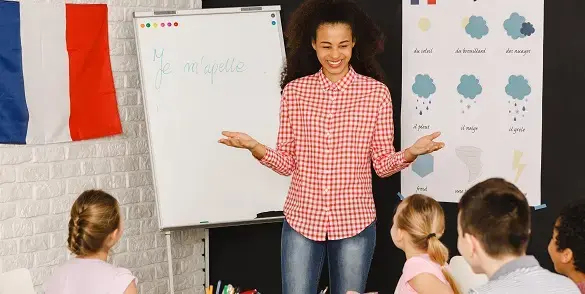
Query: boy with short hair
[[567, 245], [494, 229]]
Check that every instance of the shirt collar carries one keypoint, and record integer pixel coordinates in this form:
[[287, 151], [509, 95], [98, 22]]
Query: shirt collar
[[340, 85], [518, 263]]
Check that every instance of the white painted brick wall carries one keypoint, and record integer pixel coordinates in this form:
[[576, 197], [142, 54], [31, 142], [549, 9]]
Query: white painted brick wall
[[38, 184]]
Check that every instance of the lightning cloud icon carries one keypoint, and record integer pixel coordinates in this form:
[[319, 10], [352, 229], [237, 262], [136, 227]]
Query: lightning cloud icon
[[519, 167]]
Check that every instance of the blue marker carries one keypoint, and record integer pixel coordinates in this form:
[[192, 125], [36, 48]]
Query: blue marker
[[539, 207], [400, 196]]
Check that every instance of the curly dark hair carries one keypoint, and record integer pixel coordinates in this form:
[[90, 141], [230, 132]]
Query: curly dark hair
[[571, 233], [301, 58]]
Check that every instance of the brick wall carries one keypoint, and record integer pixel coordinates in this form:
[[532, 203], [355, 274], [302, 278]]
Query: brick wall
[[38, 184]]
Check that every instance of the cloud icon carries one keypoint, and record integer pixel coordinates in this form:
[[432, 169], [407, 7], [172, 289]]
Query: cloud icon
[[423, 86], [517, 27], [518, 87], [527, 29], [477, 27], [469, 86]]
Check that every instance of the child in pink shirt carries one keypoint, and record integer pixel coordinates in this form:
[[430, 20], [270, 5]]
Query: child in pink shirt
[[418, 224], [94, 228]]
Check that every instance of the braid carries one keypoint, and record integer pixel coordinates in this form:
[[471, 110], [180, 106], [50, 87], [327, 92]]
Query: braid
[[94, 216], [72, 239], [76, 229]]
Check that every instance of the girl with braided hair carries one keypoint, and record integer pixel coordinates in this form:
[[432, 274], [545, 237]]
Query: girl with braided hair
[[95, 227], [336, 121]]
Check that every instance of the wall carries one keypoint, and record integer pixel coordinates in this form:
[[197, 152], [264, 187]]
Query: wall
[[38, 184]]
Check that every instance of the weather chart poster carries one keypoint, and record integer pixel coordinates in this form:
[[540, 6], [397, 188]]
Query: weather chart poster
[[473, 71]]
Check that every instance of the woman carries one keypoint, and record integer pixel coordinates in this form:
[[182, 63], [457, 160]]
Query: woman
[[335, 121]]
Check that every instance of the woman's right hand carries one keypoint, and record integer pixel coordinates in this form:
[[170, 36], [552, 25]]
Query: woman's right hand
[[238, 140]]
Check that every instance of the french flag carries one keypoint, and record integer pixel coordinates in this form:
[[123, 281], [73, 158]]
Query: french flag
[[56, 82]]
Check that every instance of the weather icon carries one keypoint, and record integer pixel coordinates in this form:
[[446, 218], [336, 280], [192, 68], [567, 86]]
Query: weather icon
[[517, 165], [423, 165], [517, 88], [424, 24], [471, 157], [475, 26], [423, 87], [469, 87], [517, 27]]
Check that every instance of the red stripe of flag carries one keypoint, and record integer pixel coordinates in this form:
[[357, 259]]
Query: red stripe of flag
[[94, 109]]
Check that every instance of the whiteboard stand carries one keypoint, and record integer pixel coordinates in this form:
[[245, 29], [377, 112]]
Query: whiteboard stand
[[206, 256], [170, 258]]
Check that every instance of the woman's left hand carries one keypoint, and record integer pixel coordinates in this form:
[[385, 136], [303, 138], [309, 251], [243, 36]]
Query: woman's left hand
[[424, 145]]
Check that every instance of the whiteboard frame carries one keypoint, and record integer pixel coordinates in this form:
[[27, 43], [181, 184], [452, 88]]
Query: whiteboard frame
[[144, 14], [206, 11]]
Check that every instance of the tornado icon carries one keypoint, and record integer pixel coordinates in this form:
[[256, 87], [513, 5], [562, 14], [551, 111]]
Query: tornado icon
[[471, 157]]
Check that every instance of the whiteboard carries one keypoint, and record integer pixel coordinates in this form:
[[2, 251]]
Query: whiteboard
[[202, 72]]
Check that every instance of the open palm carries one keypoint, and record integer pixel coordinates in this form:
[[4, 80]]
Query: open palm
[[238, 140], [426, 144]]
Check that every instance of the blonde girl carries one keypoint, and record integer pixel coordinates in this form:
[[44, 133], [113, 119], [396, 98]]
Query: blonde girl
[[418, 224], [95, 227]]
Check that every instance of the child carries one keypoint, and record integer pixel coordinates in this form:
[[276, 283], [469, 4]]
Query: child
[[494, 229], [94, 228], [418, 224], [567, 245]]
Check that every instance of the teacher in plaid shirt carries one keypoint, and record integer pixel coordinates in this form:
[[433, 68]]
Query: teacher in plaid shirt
[[335, 122]]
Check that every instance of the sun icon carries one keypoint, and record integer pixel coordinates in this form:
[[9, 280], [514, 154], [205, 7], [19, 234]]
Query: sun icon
[[424, 24], [465, 22]]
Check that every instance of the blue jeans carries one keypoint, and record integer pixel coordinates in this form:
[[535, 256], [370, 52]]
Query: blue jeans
[[348, 259]]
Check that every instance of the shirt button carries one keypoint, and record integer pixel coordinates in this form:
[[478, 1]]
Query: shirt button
[[326, 190], [326, 209]]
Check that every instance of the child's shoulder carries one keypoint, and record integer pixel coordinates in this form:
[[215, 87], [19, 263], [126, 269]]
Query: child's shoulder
[[415, 266], [95, 266], [420, 261], [79, 274], [421, 264]]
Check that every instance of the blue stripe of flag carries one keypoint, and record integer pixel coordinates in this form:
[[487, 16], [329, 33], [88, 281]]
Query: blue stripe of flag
[[13, 110]]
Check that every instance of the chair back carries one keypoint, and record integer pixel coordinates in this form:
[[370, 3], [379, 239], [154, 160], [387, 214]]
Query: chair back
[[463, 274], [16, 281]]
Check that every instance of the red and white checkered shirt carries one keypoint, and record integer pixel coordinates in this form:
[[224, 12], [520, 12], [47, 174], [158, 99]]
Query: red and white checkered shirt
[[329, 135]]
